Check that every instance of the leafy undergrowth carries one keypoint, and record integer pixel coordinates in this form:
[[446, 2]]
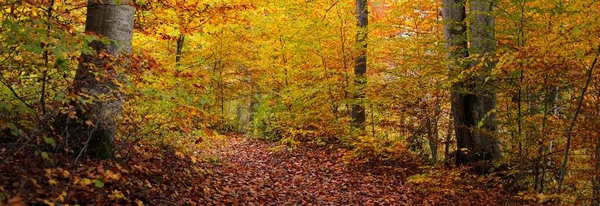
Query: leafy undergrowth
[[458, 186], [246, 172], [144, 175]]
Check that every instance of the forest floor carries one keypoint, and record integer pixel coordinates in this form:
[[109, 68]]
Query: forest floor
[[252, 172], [246, 171], [255, 172]]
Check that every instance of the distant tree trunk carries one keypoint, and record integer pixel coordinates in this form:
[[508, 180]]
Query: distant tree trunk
[[434, 137], [111, 19], [180, 42], [448, 138], [472, 101], [431, 138], [432, 130], [360, 65], [596, 178]]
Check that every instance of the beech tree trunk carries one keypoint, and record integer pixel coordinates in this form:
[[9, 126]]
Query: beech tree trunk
[[360, 65], [96, 74], [455, 38], [472, 100], [482, 143]]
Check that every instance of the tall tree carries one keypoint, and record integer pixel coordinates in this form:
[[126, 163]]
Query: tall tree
[[455, 37], [483, 141], [473, 101], [96, 74], [360, 65]]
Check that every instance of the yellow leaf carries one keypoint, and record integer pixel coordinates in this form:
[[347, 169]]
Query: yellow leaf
[[139, 202], [148, 184], [52, 182], [62, 196], [89, 123], [85, 181], [66, 173], [48, 202], [116, 194]]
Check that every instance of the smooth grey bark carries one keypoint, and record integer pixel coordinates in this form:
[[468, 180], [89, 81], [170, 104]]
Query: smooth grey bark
[[455, 38], [360, 65], [96, 73], [483, 142], [473, 101]]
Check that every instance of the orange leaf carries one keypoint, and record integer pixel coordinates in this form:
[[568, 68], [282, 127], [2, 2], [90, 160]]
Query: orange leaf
[[208, 132], [16, 201], [186, 130], [180, 155]]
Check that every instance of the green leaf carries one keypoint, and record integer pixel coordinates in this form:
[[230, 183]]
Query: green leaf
[[98, 183], [50, 141], [14, 131], [46, 156], [60, 96]]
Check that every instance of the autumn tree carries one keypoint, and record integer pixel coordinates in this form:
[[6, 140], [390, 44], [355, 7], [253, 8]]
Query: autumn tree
[[97, 74], [455, 36], [360, 64], [473, 99]]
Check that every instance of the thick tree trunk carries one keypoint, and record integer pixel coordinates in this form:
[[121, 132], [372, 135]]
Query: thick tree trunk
[[360, 65], [483, 141], [96, 74], [455, 37], [472, 101]]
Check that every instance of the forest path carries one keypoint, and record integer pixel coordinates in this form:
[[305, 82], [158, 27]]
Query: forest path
[[253, 172]]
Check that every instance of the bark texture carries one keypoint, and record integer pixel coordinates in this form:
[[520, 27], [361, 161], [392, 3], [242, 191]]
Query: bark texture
[[472, 100], [360, 65], [96, 76], [483, 144]]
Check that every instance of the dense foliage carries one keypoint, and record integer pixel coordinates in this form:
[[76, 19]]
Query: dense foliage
[[283, 71]]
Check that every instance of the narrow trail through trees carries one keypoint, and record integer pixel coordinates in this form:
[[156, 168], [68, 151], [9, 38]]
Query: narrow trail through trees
[[254, 172]]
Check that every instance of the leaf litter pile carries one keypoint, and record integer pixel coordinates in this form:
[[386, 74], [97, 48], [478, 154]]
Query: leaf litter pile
[[246, 172]]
